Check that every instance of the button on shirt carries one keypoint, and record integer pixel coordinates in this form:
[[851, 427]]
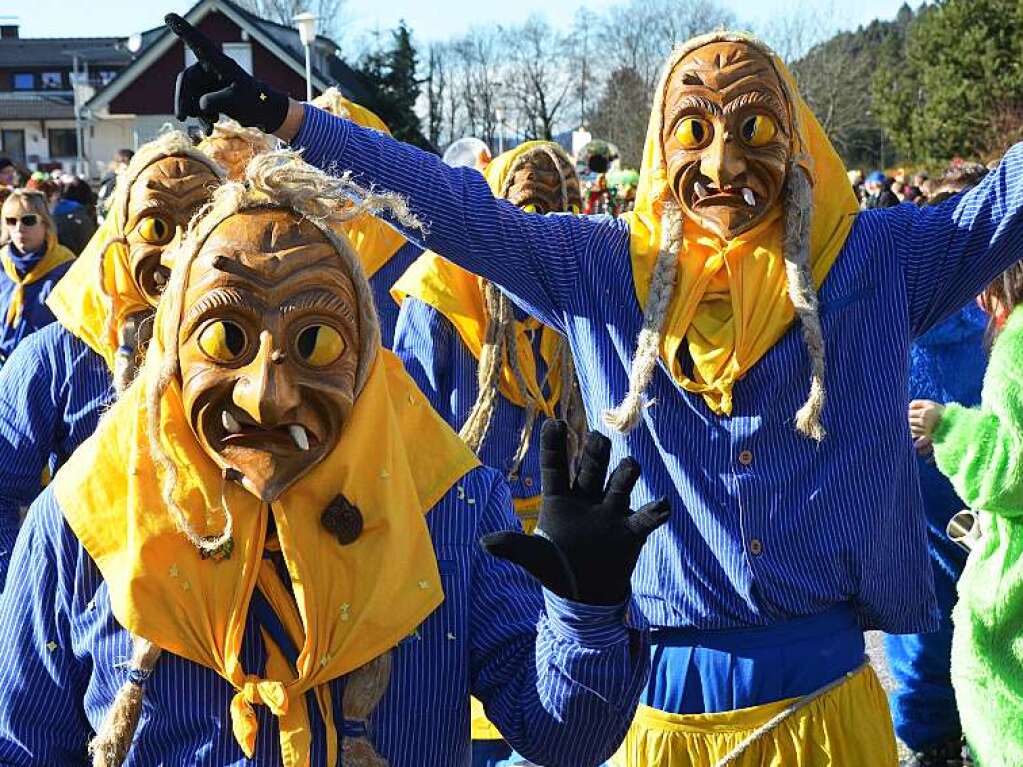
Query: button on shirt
[[842, 519]]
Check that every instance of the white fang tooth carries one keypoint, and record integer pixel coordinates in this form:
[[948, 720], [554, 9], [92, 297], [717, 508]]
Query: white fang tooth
[[231, 424], [749, 197], [298, 434], [700, 189]]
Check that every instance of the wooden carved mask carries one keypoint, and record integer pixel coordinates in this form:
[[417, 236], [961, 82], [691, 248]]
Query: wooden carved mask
[[269, 348], [161, 201], [535, 184], [726, 135]]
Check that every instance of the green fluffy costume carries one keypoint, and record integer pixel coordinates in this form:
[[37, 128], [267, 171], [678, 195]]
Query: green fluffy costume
[[981, 452]]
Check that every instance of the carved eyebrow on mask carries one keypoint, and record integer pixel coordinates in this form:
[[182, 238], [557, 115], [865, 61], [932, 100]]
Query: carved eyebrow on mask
[[321, 300], [764, 99], [221, 298]]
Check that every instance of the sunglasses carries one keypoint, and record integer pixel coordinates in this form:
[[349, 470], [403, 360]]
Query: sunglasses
[[29, 219]]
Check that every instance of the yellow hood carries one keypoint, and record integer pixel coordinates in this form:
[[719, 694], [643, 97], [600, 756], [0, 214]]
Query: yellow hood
[[352, 603], [457, 294], [99, 291], [731, 304], [373, 240]]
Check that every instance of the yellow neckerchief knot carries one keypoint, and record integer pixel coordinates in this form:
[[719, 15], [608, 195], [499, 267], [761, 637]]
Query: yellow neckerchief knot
[[731, 304], [266, 692], [56, 254]]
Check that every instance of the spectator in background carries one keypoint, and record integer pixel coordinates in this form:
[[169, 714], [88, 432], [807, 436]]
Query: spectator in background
[[946, 365], [8, 173], [109, 181], [33, 261], [856, 182], [878, 192], [73, 221]]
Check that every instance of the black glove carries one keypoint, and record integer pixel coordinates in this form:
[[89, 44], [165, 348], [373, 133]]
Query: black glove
[[215, 84], [587, 541]]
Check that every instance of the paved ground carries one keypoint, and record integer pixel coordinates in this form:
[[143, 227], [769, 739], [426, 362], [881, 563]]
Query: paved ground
[[875, 649]]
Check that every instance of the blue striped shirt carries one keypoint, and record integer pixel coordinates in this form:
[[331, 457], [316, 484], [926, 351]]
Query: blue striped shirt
[[794, 527], [446, 372], [35, 312], [561, 682], [53, 390], [380, 285]]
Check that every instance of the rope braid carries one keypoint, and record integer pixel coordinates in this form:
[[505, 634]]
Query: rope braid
[[803, 294], [500, 343], [274, 180], [113, 741], [627, 414], [364, 689]]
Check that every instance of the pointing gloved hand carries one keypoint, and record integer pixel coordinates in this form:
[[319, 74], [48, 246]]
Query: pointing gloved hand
[[587, 540], [216, 84]]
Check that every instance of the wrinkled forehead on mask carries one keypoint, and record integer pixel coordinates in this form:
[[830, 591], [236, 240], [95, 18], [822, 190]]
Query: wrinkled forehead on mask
[[543, 180]]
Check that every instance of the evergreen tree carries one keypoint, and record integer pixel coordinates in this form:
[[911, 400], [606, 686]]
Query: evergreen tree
[[391, 73]]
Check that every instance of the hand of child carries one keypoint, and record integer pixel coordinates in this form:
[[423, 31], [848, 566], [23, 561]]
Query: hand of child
[[924, 416]]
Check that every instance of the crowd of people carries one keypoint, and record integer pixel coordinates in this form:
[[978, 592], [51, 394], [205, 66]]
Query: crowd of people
[[305, 451]]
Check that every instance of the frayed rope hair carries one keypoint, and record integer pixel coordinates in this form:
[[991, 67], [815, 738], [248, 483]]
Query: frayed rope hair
[[500, 343], [798, 214], [274, 180]]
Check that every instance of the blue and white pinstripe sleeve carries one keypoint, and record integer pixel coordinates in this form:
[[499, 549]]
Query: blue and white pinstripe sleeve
[[422, 339], [561, 691], [42, 720], [950, 252], [29, 417], [535, 258]]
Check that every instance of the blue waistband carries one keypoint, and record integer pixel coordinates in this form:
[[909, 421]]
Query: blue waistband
[[839, 618], [697, 671]]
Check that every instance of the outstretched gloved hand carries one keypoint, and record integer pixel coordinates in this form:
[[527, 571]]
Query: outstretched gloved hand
[[216, 84], [587, 540]]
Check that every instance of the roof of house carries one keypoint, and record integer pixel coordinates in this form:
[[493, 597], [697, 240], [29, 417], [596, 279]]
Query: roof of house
[[36, 106], [36, 52], [282, 41]]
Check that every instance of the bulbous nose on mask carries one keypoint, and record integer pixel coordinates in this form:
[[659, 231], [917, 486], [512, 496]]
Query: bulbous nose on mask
[[723, 162], [265, 389]]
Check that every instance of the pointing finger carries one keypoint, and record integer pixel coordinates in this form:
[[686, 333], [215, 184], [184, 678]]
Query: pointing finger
[[203, 48]]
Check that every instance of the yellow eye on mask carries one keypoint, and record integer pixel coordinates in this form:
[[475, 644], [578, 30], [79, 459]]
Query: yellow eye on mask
[[155, 230], [320, 345], [531, 208], [693, 133], [222, 341], [759, 130]]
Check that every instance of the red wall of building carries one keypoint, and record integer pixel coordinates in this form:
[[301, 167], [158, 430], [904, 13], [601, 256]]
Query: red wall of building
[[152, 92]]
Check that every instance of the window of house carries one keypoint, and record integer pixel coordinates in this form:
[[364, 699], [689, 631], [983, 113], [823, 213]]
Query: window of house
[[242, 53], [63, 142], [23, 81], [52, 81], [106, 75]]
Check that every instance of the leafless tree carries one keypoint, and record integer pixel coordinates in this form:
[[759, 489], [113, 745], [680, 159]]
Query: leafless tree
[[331, 12], [538, 81]]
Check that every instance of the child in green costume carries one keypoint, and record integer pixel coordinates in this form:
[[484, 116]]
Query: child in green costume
[[981, 451]]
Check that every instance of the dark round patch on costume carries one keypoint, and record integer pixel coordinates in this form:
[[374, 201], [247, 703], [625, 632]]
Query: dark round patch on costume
[[343, 520]]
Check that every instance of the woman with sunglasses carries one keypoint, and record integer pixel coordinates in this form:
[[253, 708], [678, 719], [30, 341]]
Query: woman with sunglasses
[[32, 262]]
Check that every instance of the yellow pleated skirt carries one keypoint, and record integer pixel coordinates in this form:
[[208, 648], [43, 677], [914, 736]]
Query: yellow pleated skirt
[[849, 726]]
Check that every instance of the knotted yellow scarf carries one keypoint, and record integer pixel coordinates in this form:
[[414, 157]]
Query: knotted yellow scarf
[[56, 254], [92, 304], [731, 303], [457, 295], [374, 241], [351, 603]]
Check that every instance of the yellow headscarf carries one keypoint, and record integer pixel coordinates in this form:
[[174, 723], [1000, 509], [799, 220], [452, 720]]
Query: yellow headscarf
[[457, 294], [373, 240], [731, 303], [351, 603], [56, 254], [99, 292]]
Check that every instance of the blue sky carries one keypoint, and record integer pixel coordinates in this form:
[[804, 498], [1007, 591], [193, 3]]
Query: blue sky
[[429, 20]]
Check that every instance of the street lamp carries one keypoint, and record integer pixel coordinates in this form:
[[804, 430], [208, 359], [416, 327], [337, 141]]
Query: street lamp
[[306, 23], [500, 130]]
